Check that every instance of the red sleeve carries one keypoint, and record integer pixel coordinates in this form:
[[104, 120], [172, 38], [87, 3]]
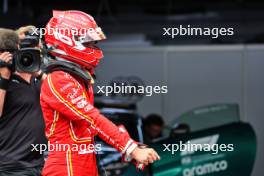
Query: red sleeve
[[64, 94]]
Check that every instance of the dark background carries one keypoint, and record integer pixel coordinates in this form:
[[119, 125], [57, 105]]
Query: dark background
[[148, 17]]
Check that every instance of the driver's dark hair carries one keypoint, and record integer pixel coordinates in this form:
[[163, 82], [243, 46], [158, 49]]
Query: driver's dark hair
[[9, 39]]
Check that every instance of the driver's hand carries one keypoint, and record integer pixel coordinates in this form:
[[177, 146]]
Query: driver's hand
[[4, 71], [145, 155]]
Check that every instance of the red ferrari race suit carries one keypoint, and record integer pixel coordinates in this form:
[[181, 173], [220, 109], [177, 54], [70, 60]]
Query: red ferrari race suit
[[72, 120]]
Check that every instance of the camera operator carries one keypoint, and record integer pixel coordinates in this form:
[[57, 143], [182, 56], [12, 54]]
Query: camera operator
[[21, 121]]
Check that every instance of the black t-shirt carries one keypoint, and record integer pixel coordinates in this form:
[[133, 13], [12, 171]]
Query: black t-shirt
[[21, 125]]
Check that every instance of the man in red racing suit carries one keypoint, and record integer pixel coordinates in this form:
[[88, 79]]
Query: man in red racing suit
[[67, 104], [71, 119]]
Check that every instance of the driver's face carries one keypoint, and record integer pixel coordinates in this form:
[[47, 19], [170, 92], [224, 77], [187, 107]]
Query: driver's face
[[91, 45]]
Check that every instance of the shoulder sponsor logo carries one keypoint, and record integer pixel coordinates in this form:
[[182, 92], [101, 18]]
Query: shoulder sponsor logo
[[66, 86], [88, 108], [75, 100], [73, 93], [82, 103]]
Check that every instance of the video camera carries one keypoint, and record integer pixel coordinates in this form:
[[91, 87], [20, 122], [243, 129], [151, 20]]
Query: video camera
[[24, 60], [27, 59], [31, 39]]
